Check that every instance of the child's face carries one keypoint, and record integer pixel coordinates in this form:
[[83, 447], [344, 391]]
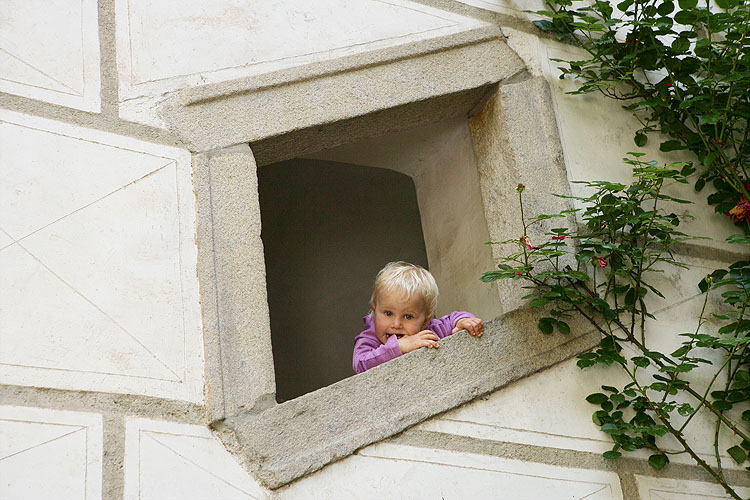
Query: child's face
[[394, 315]]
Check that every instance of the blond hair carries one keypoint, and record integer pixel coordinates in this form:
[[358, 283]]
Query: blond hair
[[408, 279]]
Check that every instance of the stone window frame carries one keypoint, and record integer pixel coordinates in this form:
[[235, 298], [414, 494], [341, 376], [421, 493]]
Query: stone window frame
[[232, 126]]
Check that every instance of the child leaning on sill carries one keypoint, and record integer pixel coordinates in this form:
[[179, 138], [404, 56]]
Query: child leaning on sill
[[401, 320]]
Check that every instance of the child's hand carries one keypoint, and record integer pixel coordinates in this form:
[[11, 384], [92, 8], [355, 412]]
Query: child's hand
[[474, 326], [425, 338]]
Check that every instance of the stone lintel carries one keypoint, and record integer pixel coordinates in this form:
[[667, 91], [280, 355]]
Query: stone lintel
[[248, 111], [407, 116]]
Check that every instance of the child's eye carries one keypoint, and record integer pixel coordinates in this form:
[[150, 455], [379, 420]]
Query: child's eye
[[408, 316], [388, 313]]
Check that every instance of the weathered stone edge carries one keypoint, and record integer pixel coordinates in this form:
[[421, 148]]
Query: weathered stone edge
[[242, 113], [301, 436], [320, 69]]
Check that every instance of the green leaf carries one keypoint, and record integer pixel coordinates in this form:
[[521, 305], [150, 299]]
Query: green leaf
[[640, 139], [611, 454], [597, 398], [727, 4], [681, 44], [736, 396], [624, 5], [545, 325], [585, 363], [681, 351], [671, 145], [665, 8], [538, 302], [739, 239], [737, 453], [641, 361], [686, 17], [687, 4], [746, 415], [610, 428], [711, 117], [685, 410], [544, 25], [597, 417], [563, 326], [722, 405], [658, 461]]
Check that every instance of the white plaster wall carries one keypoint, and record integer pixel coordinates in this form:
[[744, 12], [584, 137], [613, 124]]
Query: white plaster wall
[[397, 471], [49, 50], [98, 286], [652, 488], [516, 8], [97, 255], [166, 460], [50, 454], [169, 460], [440, 159], [172, 44]]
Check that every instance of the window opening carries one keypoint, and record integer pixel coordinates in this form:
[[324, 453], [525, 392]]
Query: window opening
[[328, 228]]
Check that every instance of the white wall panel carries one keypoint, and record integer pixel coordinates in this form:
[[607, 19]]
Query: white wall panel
[[165, 460], [49, 454], [98, 286], [396, 471], [654, 488], [175, 43], [49, 50]]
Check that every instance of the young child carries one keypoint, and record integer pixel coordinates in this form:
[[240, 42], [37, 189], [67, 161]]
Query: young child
[[403, 303]]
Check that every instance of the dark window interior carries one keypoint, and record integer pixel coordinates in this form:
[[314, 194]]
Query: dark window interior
[[327, 229]]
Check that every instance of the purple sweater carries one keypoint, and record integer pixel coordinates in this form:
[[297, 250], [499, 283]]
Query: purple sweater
[[369, 352]]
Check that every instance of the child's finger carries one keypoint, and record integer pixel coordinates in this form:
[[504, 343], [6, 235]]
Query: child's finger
[[428, 335]]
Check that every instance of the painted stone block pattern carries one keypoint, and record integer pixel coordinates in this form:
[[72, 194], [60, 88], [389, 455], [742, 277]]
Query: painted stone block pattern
[[397, 471], [653, 488], [49, 454], [50, 51], [170, 460], [174, 44], [98, 287]]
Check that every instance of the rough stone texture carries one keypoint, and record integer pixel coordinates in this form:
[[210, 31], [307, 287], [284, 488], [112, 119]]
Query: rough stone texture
[[516, 142], [232, 273], [302, 435], [399, 119], [227, 114]]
